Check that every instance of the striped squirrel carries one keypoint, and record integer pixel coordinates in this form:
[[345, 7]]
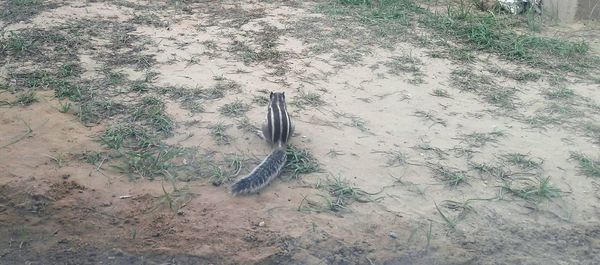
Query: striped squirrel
[[276, 130]]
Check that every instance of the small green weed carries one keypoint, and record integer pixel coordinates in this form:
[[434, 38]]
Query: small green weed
[[64, 107]]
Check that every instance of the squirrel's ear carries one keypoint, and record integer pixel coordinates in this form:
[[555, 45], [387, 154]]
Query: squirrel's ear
[[271, 95], [283, 94]]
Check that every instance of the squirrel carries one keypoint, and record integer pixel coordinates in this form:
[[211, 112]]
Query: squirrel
[[276, 130]]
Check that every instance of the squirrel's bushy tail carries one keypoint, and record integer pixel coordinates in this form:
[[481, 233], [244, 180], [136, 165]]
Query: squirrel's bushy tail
[[267, 170]]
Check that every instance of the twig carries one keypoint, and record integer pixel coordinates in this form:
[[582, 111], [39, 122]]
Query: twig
[[26, 134]]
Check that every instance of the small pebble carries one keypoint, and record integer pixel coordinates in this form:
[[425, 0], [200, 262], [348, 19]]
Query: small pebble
[[393, 235], [261, 224]]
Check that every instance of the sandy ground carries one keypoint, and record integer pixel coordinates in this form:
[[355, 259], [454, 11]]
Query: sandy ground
[[372, 130]]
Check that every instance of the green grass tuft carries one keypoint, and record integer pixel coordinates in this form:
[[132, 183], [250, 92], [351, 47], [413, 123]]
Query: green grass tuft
[[532, 190], [342, 194], [152, 111], [219, 133], [587, 166], [300, 161], [452, 176], [150, 163], [234, 109], [27, 98], [127, 135], [311, 99]]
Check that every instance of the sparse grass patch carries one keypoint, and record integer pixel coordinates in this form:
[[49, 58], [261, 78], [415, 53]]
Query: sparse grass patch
[[441, 154], [129, 136], [220, 88], [501, 97], [27, 98], [300, 161], [219, 133], [355, 122], [215, 92], [429, 116], [465, 80], [261, 100], [304, 99], [250, 55], [191, 99], [60, 159], [462, 55], [149, 19], [64, 107], [94, 110], [592, 130], [115, 78], [560, 92], [396, 158], [532, 190], [175, 199], [495, 171], [440, 93], [478, 139], [34, 79], [556, 113], [194, 106], [494, 33], [452, 176], [14, 11], [234, 109], [541, 121], [220, 175], [92, 157], [74, 92], [349, 57], [24, 2], [485, 87], [526, 76], [464, 208], [69, 70], [497, 34], [150, 163], [406, 64], [140, 86], [587, 166], [247, 126], [152, 111], [42, 46], [343, 193], [14, 42], [562, 110], [522, 161]]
